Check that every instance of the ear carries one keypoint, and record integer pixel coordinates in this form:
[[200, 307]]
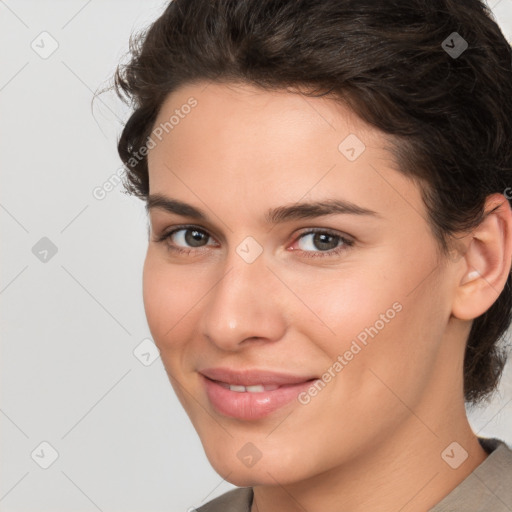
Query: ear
[[486, 262]]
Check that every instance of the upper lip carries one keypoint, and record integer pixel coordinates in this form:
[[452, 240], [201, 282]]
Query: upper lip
[[252, 377]]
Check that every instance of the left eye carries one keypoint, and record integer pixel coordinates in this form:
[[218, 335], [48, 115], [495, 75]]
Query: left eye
[[320, 243], [318, 240]]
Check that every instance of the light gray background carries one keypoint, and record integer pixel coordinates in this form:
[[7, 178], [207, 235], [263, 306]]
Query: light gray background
[[71, 324]]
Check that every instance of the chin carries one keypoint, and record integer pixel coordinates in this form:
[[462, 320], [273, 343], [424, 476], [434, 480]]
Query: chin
[[268, 470], [247, 477], [241, 480]]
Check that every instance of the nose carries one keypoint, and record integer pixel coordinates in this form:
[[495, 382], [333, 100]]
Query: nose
[[244, 305]]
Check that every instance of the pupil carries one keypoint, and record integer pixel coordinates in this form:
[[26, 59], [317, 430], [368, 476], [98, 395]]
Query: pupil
[[321, 240], [196, 236]]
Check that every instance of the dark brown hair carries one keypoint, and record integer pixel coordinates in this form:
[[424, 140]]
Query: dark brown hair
[[398, 65]]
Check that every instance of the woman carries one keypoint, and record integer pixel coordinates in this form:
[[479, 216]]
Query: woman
[[328, 275]]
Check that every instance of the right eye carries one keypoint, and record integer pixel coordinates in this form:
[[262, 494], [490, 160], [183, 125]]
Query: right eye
[[184, 239]]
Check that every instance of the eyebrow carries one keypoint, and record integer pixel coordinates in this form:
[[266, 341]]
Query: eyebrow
[[307, 210]]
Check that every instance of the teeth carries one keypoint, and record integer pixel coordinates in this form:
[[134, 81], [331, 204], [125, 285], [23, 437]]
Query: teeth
[[255, 389], [259, 388]]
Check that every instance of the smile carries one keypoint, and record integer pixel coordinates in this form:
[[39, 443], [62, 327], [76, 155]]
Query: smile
[[251, 394]]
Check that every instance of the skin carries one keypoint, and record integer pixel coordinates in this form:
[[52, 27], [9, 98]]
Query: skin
[[372, 438]]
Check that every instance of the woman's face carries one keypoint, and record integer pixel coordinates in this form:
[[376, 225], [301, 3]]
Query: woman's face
[[350, 307]]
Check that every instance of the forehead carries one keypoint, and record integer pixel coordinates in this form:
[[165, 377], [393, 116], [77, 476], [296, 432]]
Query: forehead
[[244, 112], [269, 147]]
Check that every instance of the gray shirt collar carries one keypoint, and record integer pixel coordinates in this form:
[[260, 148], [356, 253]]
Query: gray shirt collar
[[488, 487]]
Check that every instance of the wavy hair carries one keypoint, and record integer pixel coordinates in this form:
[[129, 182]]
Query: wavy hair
[[448, 117]]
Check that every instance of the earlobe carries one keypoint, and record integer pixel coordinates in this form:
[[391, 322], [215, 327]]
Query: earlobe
[[487, 261]]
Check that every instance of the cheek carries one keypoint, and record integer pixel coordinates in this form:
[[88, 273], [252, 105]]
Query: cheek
[[342, 303], [387, 318], [169, 300], [399, 350]]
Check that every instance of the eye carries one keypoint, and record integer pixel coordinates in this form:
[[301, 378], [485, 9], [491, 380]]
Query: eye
[[322, 243], [185, 239]]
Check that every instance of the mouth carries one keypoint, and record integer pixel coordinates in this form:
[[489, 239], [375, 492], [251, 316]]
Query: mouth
[[251, 394]]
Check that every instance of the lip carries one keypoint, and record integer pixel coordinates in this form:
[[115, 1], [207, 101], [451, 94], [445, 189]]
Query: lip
[[253, 377], [247, 405]]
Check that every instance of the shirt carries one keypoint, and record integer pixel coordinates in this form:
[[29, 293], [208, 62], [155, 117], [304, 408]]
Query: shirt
[[487, 489]]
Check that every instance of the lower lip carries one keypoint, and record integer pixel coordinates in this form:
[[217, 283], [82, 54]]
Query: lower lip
[[251, 406]]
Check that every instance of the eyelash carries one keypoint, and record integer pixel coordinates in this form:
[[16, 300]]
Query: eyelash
[[347, 243]]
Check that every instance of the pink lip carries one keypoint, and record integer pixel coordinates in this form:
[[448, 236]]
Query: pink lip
[[247, 405], [253, 377]]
